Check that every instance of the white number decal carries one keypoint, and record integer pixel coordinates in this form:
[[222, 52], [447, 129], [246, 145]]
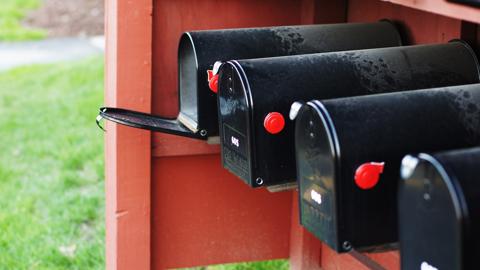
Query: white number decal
[[426, 266], [235, 141], [316, 197]]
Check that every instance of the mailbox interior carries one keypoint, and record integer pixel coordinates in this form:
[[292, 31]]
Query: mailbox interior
[[430, 217], [188, 83], [316, 162]]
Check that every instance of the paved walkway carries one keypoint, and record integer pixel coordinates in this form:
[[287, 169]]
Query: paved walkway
[[14, 54]]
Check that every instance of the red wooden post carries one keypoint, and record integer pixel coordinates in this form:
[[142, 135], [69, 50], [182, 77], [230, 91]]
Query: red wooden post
[[127, 151], [305, 249]]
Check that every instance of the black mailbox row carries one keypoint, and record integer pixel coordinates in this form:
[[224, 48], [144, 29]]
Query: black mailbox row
[[349, 153], [198, 51], [328, 109], [251, 91]]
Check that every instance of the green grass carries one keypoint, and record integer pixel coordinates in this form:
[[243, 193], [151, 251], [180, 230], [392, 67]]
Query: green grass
[[264, 265], [11, 14], [51, 167]]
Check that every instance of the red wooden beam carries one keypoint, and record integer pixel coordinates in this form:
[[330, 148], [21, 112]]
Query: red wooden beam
[[127, 150], [442, 7], [420, 27], [305, 249], [203, 215]]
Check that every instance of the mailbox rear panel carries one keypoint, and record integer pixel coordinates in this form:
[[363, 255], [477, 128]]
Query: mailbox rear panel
[[439, 204], [383, 128], [273, 84]]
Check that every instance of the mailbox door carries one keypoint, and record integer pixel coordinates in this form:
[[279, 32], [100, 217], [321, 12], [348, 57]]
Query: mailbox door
[[235, 125], [430, 219], [318, 201]]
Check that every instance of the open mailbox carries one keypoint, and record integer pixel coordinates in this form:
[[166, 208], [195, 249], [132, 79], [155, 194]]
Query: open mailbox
[[255, 97], [199, 50], [349, 152]]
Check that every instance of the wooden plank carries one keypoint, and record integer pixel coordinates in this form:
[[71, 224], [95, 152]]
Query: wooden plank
[[441, 7], [330, 11], [203, 215], [127, 150], [419, 27], [389, 260], [165, 145], [334, 261]]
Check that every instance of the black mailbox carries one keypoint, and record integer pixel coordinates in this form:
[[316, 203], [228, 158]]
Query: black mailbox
[[255, 97], [439, 210], [198, 51], [349, 152]]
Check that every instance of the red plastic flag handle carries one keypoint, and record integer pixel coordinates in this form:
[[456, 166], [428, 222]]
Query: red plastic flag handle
[[367, 175]]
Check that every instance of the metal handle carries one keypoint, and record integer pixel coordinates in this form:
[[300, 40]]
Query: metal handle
[[145, 121]]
